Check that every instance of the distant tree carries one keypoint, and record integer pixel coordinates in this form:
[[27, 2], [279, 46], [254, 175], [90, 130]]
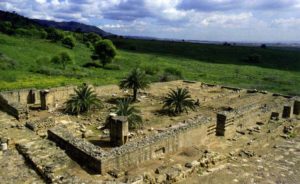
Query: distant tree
[[6, 27], [263, 46], [124, 108], [83, 100], [136, 80], [69, 41], [63, 59], [92, 38], [105, 51], [178, 101], [53, 34]]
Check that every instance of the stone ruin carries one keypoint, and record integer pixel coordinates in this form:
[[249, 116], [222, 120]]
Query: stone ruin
[[124, 154]]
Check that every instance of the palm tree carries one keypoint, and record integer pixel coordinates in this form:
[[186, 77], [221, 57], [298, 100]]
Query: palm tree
[[135, 80], [123, 108], [82, 101], [178, 100]]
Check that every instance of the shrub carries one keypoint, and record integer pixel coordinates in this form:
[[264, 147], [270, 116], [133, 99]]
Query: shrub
[[171, 74], [53, 34], [7, 63], [173, 71], [93, 38], [151, 69], [82, 101], [63, 59], [69, 42]]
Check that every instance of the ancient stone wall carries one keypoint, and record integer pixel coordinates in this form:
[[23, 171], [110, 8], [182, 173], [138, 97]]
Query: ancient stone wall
[[191, 132], [248, 115]]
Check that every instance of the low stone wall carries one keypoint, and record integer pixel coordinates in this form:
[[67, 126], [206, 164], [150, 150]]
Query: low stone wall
[[12, 109], [80, 150], [247, 116], [191, 132]]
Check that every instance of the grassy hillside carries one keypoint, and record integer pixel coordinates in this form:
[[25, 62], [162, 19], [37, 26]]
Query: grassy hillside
[[278, 70]]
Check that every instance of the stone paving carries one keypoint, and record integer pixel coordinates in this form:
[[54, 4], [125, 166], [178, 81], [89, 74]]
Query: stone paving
[[13, 167]]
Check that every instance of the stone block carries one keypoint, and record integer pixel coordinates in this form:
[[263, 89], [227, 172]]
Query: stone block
[[297, 107], [287, 112]]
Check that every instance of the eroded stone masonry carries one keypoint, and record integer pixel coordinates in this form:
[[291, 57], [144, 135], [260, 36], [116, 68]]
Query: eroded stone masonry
[[59, 148]]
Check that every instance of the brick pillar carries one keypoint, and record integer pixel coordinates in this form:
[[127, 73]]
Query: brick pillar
[[43, 96], [221, 121], [297, 107], [287, 112], [118, 130]]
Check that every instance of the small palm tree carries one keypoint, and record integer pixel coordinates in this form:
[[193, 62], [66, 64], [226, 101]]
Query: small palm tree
[[123, 108], [82, 101], [135, 80], [178, 100]]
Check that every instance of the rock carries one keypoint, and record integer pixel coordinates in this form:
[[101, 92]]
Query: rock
[[116, 173], [241, 132], [288, 129], [135, 180], [3, 146], [106, 131], [246, 153], [192, 164], [161, 178], [260, 123], [148, 177], [151, 129], [88, 133], [100, 127], [160, 169]]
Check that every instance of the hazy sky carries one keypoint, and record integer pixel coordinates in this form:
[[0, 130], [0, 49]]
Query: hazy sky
[[218, 20]]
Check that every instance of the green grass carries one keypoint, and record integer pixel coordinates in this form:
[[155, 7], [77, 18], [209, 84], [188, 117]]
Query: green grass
[[278, 72]]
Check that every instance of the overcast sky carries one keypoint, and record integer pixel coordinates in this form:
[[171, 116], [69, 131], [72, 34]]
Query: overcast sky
[[214, 20]]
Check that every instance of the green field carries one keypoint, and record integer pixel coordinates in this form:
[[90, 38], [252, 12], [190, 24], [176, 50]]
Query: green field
[[277, 71]]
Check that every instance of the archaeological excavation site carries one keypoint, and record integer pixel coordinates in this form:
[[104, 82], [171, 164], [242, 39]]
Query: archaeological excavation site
[[232, 135]]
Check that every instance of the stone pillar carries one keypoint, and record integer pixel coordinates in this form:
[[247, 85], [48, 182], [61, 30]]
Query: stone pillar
[[118, 130], [43, 96], [287, 112], [221, 121], [297, 107], [31, 97]]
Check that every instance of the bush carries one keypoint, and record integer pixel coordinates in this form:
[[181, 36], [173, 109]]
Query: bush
[[173, 71], [69, 42], [63, 59], [53, 34], [168, 77], [171, 74], [7, 63], [150, 69], [112, 66]]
